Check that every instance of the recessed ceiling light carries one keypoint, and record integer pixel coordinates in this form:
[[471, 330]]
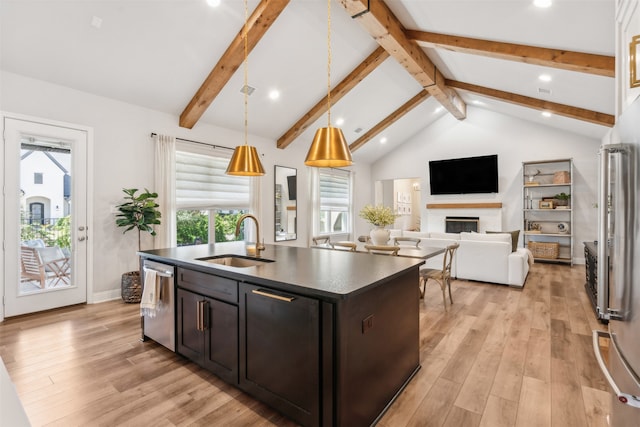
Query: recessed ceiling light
[[546, 114], [542, 3], [438, 109], [476, 102], [383, 140], [339, 121], [544, 77], [274, 94], [96, 22], [213, 3]]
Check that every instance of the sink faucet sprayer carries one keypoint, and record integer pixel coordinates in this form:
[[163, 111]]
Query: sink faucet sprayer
[[259, 246]]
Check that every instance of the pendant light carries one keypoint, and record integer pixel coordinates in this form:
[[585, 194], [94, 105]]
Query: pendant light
[[329, 148], [245, 160]]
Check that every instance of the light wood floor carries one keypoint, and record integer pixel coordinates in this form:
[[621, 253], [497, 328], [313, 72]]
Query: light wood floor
[[498, 357]]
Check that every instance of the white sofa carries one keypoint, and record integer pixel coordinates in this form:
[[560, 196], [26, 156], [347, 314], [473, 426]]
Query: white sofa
[[482, 257]]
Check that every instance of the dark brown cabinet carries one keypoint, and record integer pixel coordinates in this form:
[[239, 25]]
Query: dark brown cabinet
[[207, 331], [280, 351]]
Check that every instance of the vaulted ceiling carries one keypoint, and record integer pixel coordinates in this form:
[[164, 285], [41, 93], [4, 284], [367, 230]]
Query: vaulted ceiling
[[396, 66]]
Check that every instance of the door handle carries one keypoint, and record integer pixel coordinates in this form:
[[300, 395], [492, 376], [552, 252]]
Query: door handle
[[81, 239]]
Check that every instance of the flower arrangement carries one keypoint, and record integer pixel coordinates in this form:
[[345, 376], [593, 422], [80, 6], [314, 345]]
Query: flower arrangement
[[378, 215]]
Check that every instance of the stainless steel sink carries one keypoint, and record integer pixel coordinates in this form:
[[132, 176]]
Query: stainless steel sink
[[236, 261]]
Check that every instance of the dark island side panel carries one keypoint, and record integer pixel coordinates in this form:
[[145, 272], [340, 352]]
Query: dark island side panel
[[378, 348]]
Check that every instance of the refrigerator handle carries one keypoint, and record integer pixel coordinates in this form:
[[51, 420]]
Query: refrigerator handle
[[626, 398], [602, 299]]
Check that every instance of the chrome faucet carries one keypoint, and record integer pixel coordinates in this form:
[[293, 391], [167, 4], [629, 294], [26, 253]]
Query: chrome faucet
[[259, 246]]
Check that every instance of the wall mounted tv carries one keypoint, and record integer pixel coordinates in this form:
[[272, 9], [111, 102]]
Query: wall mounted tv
[[469, 175]]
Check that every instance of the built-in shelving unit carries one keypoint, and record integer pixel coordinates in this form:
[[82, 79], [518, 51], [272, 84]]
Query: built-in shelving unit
[[547, 217]]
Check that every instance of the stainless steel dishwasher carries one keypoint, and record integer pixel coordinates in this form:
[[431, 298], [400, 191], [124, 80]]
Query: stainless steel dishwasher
[[162, 327]]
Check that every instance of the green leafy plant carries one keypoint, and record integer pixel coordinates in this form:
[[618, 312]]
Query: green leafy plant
[[138, 212], [380, 215], [562, 196], [62, 229]]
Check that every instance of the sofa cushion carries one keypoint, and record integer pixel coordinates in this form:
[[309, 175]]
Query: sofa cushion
[[481, 237], [452, 236], [515, 235]]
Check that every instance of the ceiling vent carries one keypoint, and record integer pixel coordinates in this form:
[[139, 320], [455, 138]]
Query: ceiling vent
[[358, 130], [248, 89], [545, 91]]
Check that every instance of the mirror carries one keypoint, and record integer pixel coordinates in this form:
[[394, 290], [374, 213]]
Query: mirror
[[286, 211], [403, 195]]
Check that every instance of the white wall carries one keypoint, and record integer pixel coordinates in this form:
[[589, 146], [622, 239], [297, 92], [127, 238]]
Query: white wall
[[123, 158], [123, 153], [484, 132]]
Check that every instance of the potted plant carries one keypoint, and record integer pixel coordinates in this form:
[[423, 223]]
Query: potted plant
[[380, 216], [137, 212], [562, 199]]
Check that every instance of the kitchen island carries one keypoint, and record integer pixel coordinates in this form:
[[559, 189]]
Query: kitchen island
[[326, 337]]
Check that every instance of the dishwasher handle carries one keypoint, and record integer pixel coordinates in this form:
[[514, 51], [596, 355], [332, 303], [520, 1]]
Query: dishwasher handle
[[162, 273]]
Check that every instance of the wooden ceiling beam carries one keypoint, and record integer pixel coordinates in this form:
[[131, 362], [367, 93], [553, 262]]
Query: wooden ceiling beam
[[590, 116], [390, 119], [600, 65], [259, 22], [378, 20], [341, 89]]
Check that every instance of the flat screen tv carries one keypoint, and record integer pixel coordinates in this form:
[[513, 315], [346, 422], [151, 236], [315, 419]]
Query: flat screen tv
[[291, 182], [469, 175]]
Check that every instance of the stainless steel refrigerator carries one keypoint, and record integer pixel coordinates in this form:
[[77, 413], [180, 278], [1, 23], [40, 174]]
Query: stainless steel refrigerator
[[618, 299]]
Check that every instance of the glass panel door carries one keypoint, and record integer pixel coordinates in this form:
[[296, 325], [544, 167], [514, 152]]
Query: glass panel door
[[45, 216]]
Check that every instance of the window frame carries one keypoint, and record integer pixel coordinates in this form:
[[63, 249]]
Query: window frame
[[217, 178], [340, 178]]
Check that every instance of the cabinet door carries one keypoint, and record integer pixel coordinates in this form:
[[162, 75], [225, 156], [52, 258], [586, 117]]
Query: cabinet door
[[189, 336], [280, 351], [221, 340]]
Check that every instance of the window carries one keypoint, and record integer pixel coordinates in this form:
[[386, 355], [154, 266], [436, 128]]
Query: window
[[208, 201], [37, 178], [335, 202]]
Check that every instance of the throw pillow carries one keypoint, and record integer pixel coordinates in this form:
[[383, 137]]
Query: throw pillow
[[515, 235]]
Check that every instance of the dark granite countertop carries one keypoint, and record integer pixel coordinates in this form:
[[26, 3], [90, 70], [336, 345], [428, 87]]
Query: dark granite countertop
[[322, 273]]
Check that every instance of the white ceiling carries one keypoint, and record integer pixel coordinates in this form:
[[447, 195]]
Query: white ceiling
[[157, 53]]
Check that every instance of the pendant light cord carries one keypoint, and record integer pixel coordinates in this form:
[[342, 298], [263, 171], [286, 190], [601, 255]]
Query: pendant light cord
[[328, 63], [246, 73]]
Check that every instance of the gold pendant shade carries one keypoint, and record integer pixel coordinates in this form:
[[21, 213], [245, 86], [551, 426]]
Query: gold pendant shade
[[328, 149], [245, 162]]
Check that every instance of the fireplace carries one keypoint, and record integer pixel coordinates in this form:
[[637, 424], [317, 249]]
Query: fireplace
[[458, 224]]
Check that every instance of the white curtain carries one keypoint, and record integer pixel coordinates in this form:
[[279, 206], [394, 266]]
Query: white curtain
[[314, 202], [165, 186]]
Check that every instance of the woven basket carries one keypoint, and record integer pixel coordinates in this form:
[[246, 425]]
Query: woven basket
[[544, 250], [131, 287]]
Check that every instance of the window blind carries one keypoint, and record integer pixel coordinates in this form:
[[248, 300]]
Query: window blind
[[334, 190], [201, 183]]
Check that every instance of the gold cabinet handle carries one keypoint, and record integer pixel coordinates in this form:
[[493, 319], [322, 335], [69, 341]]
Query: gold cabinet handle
[[200, 310], [270, 295]]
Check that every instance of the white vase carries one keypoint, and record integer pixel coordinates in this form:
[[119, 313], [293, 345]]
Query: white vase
[[380, 236]]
